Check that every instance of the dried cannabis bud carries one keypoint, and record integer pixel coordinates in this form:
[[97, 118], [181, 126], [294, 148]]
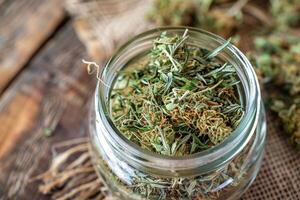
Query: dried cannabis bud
[[174, 12], [277, 59], [285, 13], [212, 15], [289, 114], [178, 99]]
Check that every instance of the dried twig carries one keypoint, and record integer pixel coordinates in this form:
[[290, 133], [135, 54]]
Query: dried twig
[[69, 178]]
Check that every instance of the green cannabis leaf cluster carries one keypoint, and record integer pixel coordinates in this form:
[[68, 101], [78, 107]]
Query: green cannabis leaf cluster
[[178, 100]]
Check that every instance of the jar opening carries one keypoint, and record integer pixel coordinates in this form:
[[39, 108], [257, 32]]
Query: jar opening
[[207, 159]]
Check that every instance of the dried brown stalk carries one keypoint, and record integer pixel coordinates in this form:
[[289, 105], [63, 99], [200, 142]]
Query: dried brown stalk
[[71, 174]]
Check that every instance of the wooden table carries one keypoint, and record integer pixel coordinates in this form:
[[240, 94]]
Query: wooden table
[[43, 84]]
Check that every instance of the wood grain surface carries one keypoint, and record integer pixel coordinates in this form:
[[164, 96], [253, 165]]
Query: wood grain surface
[[24, 27], [53, 92]]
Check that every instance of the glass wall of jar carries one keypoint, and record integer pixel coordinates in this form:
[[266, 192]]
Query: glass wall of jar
[[222, 172]]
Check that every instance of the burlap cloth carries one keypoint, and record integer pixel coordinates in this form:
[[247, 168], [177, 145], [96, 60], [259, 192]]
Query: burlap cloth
[[104, 26]]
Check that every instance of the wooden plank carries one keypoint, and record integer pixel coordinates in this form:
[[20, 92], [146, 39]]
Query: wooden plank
[[53, 92], [24, 26]]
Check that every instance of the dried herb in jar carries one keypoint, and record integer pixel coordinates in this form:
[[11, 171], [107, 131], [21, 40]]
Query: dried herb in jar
[[178, 99], [175, 99]]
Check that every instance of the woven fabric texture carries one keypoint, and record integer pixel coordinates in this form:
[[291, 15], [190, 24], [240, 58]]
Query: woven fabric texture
[[279, 176]]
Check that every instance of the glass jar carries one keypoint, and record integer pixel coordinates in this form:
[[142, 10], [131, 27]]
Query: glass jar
[[222, 172]]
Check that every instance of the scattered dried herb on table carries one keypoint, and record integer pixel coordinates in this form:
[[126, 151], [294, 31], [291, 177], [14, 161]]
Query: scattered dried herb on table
[[221, 17], [277, 61], [285, 13], [178, 99]]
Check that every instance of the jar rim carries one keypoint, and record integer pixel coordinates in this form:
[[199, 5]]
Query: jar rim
[[204, 160]]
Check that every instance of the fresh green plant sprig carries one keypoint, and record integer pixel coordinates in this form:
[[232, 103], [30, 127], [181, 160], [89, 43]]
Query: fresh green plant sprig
[[178, 100]]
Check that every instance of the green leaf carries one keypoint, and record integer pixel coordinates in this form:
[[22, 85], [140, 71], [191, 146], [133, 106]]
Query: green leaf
[[216, 51]]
